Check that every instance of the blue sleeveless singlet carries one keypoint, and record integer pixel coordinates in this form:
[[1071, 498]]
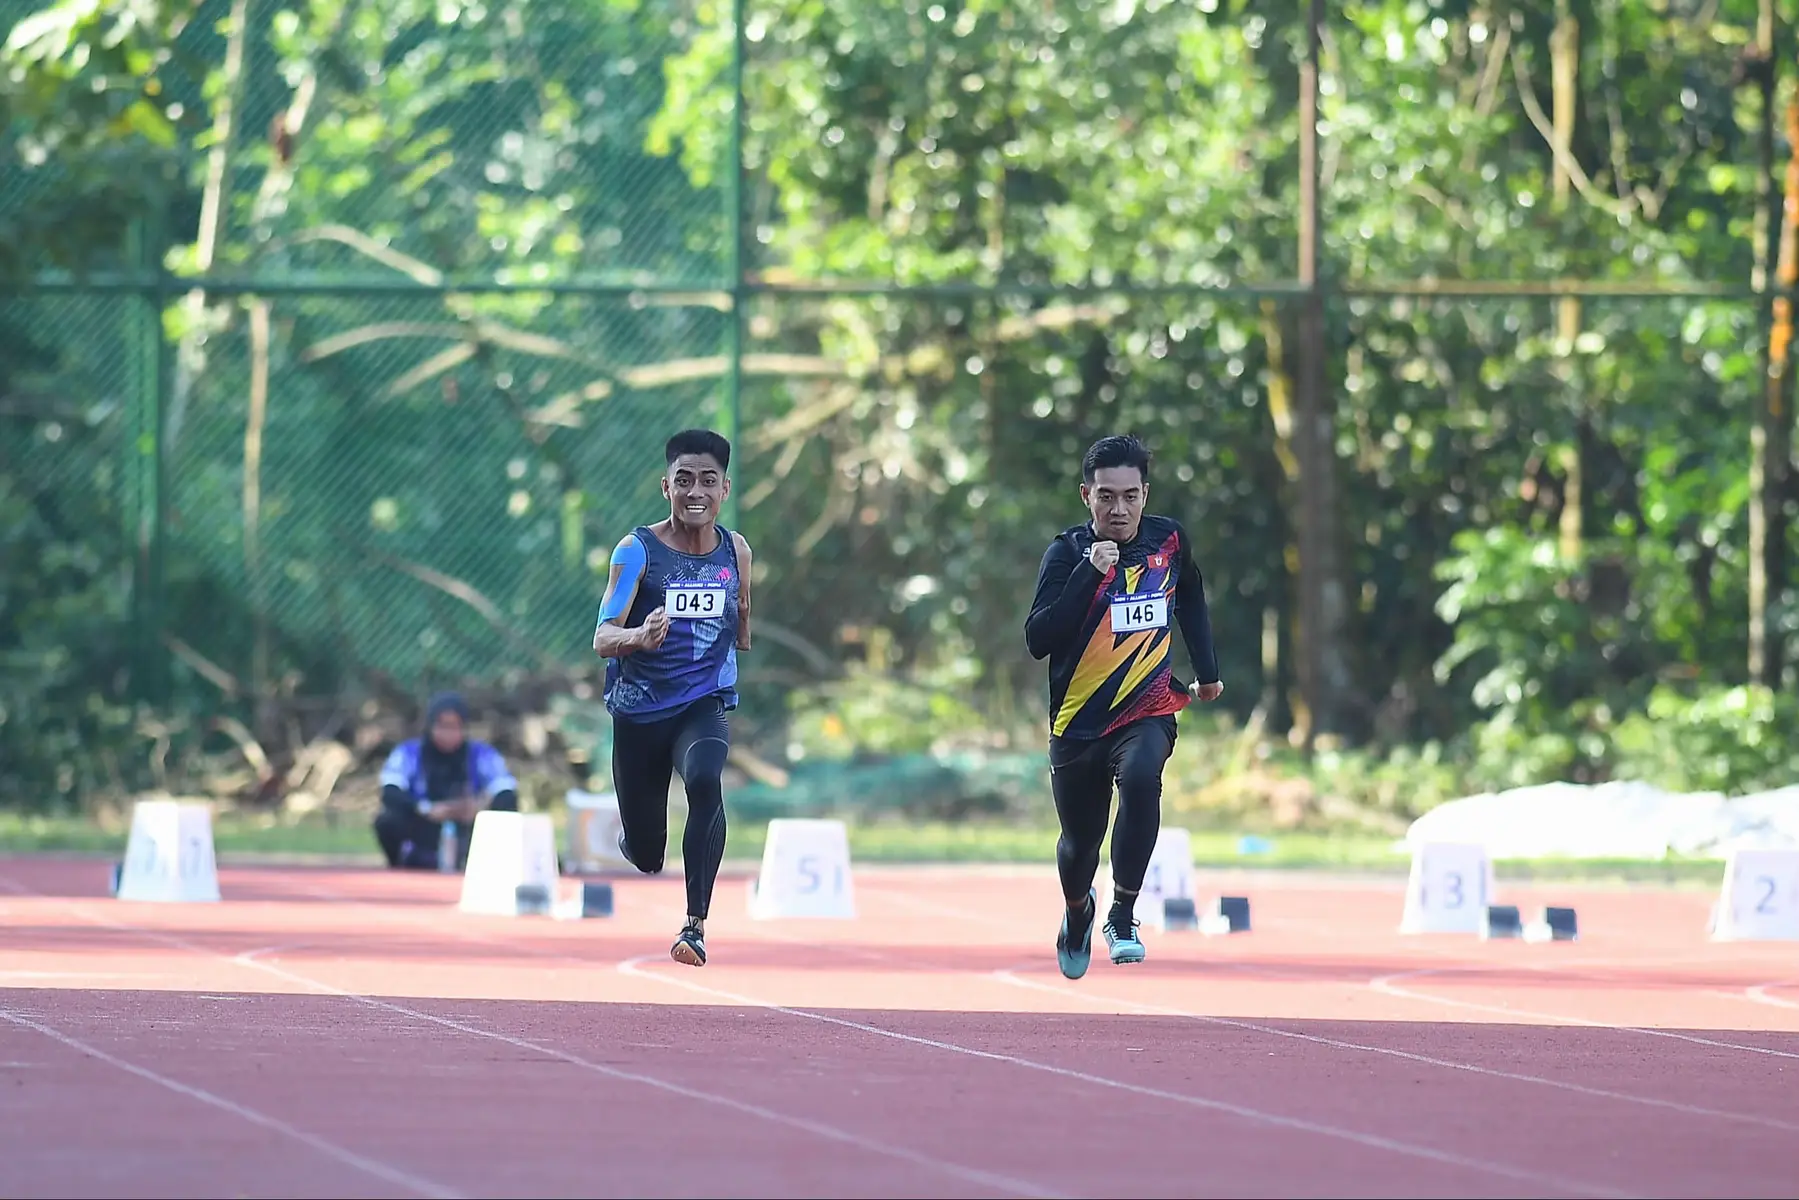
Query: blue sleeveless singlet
[[698, 658]]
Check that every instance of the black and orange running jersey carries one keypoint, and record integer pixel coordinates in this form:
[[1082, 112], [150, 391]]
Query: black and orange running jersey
[[1109, 637]]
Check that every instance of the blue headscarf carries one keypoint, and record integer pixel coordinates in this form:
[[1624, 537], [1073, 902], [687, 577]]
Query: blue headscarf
[[446, 775]]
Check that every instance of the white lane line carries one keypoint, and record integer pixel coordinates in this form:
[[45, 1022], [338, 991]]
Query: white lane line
[[250, 959], [988, 1179], [1256, 1116], [1406, 1055], [1387, 985], [331, 1150]]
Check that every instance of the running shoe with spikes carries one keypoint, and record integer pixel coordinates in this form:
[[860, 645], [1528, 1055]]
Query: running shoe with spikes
[[1123, 942], [1074, 949], [690, 947]]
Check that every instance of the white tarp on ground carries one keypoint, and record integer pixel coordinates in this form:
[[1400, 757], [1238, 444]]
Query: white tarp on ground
[[1612, 820]]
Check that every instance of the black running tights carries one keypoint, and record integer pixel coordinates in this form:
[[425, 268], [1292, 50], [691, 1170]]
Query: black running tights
[[1082, 774], [645, 756]]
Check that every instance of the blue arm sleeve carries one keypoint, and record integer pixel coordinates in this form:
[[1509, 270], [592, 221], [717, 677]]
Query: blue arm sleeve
[[628, 563]]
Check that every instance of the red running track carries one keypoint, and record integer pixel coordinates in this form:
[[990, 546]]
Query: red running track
[[347, 1033]]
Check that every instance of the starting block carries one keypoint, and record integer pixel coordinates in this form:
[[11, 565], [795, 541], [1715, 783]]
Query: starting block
[[511, 864], [587, 900], [592, 900], [1501, 921], [805, 872], [1229, 914], [169, 855], [1226, 915], [531, 900], [1179, 914], [1554, 925]]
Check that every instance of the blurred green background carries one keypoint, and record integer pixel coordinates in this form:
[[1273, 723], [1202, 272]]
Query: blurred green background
[[339, 339]]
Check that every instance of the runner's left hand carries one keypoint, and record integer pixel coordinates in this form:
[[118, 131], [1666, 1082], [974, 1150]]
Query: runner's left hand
[[1206, 691]]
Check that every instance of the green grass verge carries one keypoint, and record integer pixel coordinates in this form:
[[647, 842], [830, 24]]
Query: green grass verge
[[232, 834], [348, 839]]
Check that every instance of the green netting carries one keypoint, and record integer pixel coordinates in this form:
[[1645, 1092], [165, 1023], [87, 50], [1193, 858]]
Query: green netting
[[424, 516], [365, 470], [924, 786], [66, 393], [472, 262], [69, 502]]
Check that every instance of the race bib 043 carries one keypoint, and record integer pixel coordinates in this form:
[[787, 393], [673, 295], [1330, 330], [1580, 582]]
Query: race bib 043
[[694, 601], [1133, 614]]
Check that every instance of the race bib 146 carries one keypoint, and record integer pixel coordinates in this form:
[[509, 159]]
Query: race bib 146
[[694, 601], [1133, 614]]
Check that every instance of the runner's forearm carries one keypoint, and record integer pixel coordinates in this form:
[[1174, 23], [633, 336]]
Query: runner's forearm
[[1065, 589]]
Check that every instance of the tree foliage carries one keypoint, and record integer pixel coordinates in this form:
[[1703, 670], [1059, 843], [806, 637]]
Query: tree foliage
[[1003, 215]]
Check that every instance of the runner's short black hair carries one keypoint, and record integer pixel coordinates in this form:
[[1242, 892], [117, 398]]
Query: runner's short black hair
[[1119, 450], [699, 441]]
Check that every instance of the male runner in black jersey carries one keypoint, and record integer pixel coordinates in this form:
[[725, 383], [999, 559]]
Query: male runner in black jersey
[[1106, 593]]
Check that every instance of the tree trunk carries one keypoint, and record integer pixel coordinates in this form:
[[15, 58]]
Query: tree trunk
[[1770, 441], [1285, 711], [215, 217], [256, 420], [1564, 53], [1326, 678]]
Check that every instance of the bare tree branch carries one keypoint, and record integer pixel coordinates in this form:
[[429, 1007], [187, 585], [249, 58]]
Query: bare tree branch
[[204, 667], [1563, 157], [355, 239], [757, 767], [800, 421], [254, 754], [1444, 204], [215, 213], [471, 596], [783, 467], [814, 657], [431, 368], [363, 335], [1492, 71]]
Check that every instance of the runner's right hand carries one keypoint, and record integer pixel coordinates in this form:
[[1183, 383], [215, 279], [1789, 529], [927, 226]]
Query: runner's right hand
[[1104, 556], [653, 630]]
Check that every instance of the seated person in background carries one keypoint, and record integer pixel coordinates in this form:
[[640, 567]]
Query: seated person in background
[[440, 777]]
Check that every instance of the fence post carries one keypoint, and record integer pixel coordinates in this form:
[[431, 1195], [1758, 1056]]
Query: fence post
[[147, 374]]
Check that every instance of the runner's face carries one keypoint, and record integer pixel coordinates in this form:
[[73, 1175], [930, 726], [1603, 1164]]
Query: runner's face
[[1115, 498], [695, 486]]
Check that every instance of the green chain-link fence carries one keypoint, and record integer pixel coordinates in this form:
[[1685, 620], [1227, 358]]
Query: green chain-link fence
[[424, 496], [467, 264], [455, 294]]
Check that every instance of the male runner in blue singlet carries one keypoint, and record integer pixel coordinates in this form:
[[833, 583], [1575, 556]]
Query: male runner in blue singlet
[[676, 611]]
